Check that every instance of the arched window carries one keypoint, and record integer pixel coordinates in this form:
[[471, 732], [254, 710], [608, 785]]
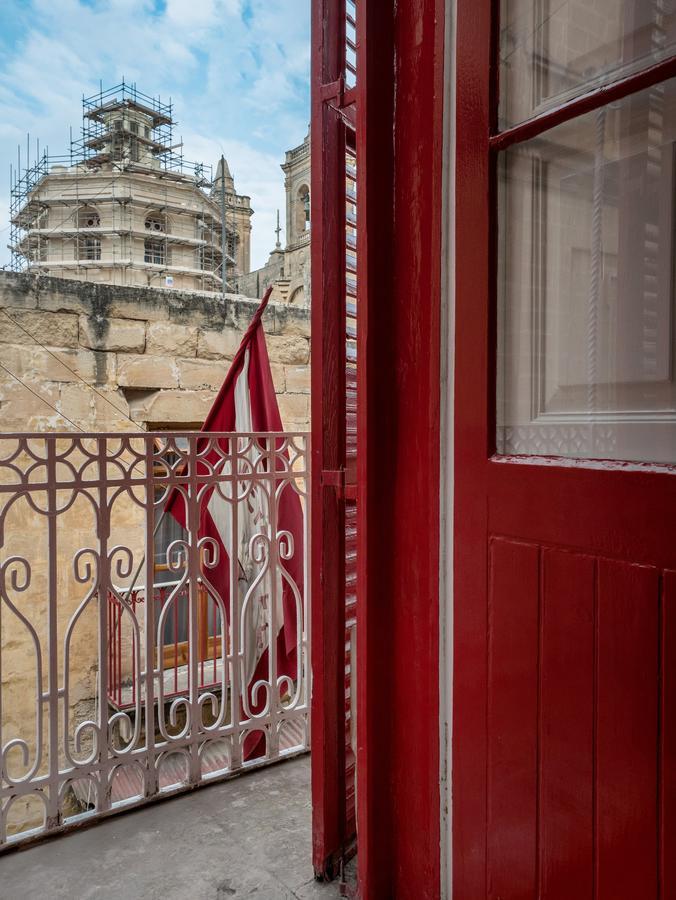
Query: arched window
[[302, 211], [155, 251], [88, 217], [157, 223], [88, 248], [298, 296]]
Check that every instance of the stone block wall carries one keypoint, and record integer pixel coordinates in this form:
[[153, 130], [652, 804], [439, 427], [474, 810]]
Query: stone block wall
[[155, 357], [108, 358]]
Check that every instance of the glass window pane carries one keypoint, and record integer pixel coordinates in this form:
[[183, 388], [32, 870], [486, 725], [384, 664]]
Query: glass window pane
[[586, 286], [553, 50]]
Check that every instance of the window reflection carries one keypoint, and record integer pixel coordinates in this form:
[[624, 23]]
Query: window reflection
[[552, 50], [586, 286]]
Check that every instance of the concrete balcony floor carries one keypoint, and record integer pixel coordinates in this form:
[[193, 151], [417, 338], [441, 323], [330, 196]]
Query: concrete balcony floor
[[245, 838]]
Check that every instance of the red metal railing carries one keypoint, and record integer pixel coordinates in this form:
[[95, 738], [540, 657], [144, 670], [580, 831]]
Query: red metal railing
[[174, 647]]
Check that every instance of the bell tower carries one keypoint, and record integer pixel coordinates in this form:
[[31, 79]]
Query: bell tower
[[296, 168]]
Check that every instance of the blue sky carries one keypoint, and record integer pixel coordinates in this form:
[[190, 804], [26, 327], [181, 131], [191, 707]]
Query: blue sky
[[236, 70]]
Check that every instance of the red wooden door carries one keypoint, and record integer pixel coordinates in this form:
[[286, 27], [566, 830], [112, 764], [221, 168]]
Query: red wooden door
[[564, 764]]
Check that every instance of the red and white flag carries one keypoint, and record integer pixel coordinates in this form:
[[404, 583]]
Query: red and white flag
[[245, 403]]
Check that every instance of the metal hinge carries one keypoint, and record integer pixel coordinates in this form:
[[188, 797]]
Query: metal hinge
[[333, 90], [334, 478]]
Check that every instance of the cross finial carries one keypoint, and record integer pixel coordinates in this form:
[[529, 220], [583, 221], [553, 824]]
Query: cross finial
[[277, 232]]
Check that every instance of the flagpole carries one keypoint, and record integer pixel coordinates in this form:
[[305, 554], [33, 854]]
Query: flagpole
[[253, 324]]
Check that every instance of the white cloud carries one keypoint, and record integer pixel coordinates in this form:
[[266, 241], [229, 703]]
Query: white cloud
[[237, 70], [257, 174]]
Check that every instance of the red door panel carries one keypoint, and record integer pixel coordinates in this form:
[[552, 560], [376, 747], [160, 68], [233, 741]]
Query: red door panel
[[627, 730], [573, 724], [566, 791], [564, 762], [512, 713]]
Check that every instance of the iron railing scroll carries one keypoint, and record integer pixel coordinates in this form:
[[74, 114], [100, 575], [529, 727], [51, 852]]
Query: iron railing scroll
[[108, 700]]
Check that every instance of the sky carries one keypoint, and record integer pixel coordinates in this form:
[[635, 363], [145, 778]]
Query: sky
[[237, 72]]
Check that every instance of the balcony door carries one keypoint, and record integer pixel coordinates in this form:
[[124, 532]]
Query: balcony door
[[565, 527]]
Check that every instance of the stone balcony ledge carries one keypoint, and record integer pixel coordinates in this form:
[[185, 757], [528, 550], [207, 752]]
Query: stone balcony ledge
[[248, 837]]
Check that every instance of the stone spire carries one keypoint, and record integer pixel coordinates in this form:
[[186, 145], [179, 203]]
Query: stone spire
[[223, 173]]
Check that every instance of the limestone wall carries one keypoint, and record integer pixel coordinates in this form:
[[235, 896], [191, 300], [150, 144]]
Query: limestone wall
[[156, 359]]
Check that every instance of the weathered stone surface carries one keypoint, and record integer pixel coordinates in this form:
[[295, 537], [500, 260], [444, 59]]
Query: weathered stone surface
[[100, 410], [278, 377], [17, 289], [58, 364], [242, 311], [135, 856], [21, 410], [196, 374], [111, 412], [218, 344], [164, 339], [146, 371], [100, 333], [153, 341], [294, 409], [288, 349], [149, 304], [76, 403], [179, 408], [292, 321], [31, 326], [297, 379]]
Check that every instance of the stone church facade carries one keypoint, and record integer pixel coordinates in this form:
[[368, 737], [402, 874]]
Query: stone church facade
[[125, 207], [288, 268]]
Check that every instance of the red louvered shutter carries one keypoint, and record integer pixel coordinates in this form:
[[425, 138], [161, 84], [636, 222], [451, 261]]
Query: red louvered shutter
[[334, 433]]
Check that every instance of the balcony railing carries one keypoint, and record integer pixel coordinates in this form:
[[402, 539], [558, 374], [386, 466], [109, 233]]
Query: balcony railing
[[108, 700]]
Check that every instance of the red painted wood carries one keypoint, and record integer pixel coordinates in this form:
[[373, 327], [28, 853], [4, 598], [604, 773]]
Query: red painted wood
[[626, 758], [375, 819], [667, 800], [399, 152], [566, 727], [513, 636], [607, 93], [471, 442], [328, 446], [623, 513], [602, 811]]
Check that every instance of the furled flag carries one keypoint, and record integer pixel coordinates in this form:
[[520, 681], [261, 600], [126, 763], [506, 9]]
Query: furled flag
[[247, 403]]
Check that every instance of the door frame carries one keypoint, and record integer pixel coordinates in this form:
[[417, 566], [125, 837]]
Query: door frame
[[400, 137], [400, 94]]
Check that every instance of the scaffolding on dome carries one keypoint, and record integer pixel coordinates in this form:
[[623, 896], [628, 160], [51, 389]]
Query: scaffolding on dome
[[123, 131]]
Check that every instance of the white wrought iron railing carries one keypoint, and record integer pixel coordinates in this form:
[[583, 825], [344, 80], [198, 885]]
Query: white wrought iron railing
[[107, 700]]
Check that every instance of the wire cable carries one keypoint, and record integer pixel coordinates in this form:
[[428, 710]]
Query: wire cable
[[73, 372], [40, 397]]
